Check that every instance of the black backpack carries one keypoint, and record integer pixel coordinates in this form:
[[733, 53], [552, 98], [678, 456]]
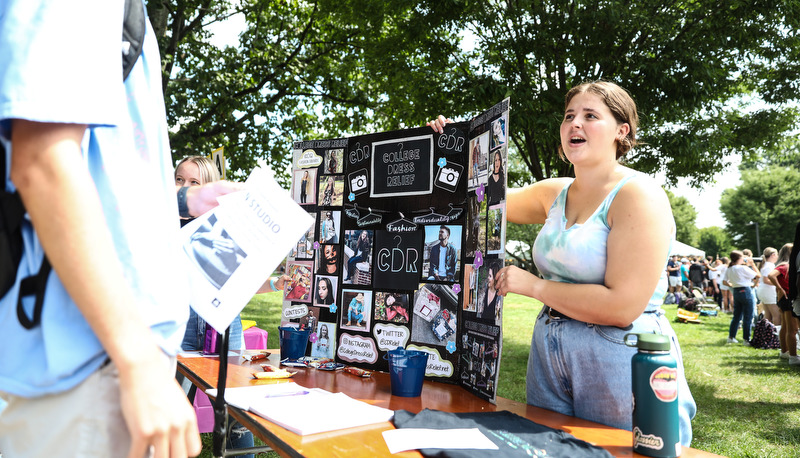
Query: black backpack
[[765, 335], [12, 212]]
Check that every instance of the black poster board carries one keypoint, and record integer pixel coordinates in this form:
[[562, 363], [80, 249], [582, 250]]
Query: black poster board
[[409, 231]]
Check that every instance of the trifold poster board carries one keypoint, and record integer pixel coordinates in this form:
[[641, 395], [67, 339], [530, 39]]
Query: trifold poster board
[[409, 230]]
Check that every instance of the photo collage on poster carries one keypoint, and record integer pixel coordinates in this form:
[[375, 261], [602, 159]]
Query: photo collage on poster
[[409, 230]]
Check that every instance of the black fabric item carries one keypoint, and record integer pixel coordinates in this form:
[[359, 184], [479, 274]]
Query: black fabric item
[[11, 214], [515, 435], [133, 28], [765, 335]]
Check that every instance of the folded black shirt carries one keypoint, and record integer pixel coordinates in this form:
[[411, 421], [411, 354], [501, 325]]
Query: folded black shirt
[[515, 435]]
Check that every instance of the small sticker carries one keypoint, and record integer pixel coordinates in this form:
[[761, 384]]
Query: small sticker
[[481, 191], [646, 440], [664, 382]]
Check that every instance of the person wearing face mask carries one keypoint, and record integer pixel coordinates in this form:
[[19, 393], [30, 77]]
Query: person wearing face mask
[[578, 364]]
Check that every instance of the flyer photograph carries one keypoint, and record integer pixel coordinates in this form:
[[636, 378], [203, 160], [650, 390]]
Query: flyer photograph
[[232, 250]]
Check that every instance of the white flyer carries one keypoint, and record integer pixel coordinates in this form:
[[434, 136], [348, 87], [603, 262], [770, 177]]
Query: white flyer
[[232, 249]]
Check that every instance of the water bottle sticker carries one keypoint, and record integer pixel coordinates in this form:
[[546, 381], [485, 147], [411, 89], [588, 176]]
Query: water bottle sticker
[[646, 440], [664, 382]]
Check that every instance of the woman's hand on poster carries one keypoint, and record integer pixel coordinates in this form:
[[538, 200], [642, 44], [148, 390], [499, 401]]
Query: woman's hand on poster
[[438, 124], [512, 279]]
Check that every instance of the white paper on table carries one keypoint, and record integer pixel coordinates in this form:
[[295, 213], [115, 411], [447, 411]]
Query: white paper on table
[[232, 249], [400, 440], [319, 411], [242, 397]]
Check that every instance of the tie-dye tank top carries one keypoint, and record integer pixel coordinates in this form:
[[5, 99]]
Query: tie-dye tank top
[[578, 254]]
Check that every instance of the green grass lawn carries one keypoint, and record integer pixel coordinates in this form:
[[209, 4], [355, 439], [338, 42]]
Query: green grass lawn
[[748, 402]]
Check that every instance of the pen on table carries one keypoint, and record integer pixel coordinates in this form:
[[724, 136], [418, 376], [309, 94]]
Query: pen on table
[[280, 395]]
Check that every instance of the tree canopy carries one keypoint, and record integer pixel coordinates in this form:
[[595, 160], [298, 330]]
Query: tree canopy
[[714, 241], [685, 216], [688, 65], [769, 197], [311, 69]]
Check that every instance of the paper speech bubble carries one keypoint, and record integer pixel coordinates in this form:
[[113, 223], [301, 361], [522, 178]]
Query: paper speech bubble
[[437, 367], [309, 158], [295, 311], [357, 349], [390, 336]]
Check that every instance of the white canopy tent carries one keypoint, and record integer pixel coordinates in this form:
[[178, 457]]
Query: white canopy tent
[[682, 249]]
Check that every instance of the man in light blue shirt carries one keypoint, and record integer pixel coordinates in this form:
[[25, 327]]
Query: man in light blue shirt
[[443, 258]]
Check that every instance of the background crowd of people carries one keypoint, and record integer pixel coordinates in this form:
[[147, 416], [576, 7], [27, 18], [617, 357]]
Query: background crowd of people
[[748, 288]]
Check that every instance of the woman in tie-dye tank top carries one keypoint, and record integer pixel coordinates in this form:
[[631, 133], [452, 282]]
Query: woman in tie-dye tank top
[[578, 364]]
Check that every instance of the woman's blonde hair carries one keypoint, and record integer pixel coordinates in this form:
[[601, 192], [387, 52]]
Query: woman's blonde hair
[[621, 104], [768, 251], [208, 171]]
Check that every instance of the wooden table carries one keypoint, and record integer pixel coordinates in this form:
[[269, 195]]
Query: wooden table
[[367, 440]]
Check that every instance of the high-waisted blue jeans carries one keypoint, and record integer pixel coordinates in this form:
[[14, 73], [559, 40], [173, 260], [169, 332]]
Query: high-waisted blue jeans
[[743, 308], [584, 370]]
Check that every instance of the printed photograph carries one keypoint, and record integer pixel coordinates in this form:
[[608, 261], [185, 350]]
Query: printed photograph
[[356, 310], [304, 186], [329, 223], [327, 258], [325, 343], [498, 132], [325, 294], [436, 305], [496, 230], [358, 257], [482, 217], [470, 297], [305, 246], [490, 304], [478, 156], [391, 307], [331, 191], [334, 161], [472, 225], [442, 254], [215, 252], [496, 183], [298, 289]]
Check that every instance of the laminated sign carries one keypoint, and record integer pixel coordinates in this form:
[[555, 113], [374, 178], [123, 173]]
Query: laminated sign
[[409, 232]]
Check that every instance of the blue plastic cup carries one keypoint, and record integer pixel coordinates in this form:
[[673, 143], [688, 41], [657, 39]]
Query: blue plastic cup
[[407, 371], [293, 342]]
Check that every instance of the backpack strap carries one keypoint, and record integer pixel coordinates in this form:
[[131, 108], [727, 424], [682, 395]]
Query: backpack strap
[[133, 29], [34, 285], [11, 214]]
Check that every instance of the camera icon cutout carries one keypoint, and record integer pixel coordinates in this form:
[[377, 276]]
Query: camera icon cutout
[[359, 181], [449, 176]]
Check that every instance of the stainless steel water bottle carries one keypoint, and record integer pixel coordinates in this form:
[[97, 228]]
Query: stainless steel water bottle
[[654, 373]]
